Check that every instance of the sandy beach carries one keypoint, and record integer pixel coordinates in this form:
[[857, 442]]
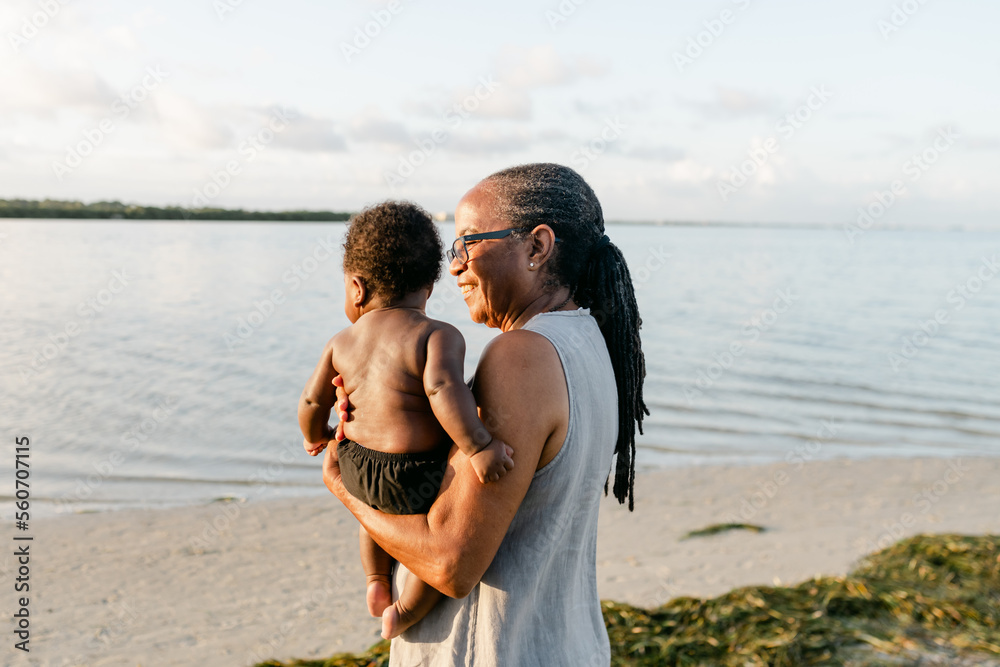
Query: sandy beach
[[231, 583]]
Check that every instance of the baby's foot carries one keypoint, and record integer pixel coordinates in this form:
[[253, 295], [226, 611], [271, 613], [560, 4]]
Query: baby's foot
[[395, 621], [379, 597]]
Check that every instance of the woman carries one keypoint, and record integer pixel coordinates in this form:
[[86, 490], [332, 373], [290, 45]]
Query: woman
[[517, 558]]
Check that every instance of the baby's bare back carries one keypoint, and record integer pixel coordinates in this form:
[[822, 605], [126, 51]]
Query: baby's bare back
[[382, 358]]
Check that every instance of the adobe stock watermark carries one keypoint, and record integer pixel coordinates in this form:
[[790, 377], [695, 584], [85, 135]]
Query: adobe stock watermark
[[365, 34], [445, 294], [957, 297], [137, 434], [248, 149], [32, 25], [785, 127], [656, 260], [296, 274], [704, 39], [428, 146], [562, 12], [225, 7], [121, 109], [109, 635], [924, 502], [900, 16], [914, 168], [115, 632], [722, 361], [768, 489], [88, 309], [596, 147]]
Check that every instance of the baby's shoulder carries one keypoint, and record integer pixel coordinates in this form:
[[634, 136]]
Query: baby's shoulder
[[444, 334]]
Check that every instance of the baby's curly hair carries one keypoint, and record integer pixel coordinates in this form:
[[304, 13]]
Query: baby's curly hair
[[395, 247]]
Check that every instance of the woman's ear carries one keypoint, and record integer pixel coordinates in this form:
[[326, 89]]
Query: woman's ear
[[543, 242]]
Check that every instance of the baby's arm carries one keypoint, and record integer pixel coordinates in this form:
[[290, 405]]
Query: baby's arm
[[455, 407], [316, 402]]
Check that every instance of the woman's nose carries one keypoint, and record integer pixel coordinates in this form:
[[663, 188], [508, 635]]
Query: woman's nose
[[456, 266]]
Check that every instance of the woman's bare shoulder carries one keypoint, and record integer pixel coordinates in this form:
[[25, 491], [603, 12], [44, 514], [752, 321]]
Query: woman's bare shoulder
[[523, 357], [519, 341]]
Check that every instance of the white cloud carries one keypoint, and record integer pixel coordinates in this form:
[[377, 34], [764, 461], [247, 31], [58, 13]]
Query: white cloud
[[542, 67], [122, 37], [555, 136], [517, 72], [182, 120], [147, 17], [506, 102], [731, 103], [30, 88], [983, 143], [489, 141], [372, 127], [690, 172], [657, 152], [311, 135]]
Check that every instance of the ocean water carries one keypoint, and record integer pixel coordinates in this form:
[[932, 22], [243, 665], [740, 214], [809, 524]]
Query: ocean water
[[160, 364]]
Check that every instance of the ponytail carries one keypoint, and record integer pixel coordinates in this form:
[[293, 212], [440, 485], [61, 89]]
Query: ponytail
[[606, 287]]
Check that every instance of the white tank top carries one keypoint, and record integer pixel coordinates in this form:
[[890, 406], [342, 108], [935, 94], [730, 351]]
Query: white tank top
[[537, 603]]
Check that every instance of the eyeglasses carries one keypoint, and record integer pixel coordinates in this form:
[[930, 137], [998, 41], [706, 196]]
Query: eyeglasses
[[460, 248]]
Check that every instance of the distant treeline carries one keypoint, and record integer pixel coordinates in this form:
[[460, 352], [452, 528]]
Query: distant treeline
[[50, 208]]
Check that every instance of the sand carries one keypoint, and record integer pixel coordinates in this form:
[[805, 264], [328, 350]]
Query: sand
[[232, 584]]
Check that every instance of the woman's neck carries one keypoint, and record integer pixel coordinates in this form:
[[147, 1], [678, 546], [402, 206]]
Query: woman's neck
[[548, 302]]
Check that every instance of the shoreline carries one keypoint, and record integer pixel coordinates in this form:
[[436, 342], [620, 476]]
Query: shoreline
[[233, 583], [47, 507]]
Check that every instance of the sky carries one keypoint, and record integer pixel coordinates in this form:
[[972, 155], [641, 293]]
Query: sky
[[728, 111]]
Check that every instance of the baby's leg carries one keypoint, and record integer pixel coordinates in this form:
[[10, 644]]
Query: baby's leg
[[415, 601], [377, 565]]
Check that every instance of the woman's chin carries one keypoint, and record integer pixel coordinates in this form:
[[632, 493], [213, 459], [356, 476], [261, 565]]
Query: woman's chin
[[476, 312], [476, 315]]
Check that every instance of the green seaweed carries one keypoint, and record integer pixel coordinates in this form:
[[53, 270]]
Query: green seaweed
[[377, 656], [930, 597], [717, 528]]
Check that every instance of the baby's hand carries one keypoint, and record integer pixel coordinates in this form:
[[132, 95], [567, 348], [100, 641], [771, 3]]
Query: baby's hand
[[493, 461], [313, 448]]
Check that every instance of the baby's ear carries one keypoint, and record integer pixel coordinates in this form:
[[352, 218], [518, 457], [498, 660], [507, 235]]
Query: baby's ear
[[359, 290]]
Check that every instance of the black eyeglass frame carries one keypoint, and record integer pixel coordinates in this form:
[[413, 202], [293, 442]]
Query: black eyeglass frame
[[453, 253]]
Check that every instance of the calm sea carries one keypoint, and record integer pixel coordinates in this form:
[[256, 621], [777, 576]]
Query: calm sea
[[160, 364]]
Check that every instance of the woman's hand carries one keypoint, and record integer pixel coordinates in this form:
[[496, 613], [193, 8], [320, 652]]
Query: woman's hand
[[342, 406], [331, 470]]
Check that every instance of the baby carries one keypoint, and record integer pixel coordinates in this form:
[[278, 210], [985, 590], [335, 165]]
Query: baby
[[403, 372]]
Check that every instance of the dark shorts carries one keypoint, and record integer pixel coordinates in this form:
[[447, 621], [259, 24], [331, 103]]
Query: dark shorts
[[392, 483]]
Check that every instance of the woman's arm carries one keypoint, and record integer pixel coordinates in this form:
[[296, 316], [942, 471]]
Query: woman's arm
[[521, 391]]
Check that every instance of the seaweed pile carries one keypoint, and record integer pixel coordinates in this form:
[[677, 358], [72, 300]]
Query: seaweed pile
[[930, 599]]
